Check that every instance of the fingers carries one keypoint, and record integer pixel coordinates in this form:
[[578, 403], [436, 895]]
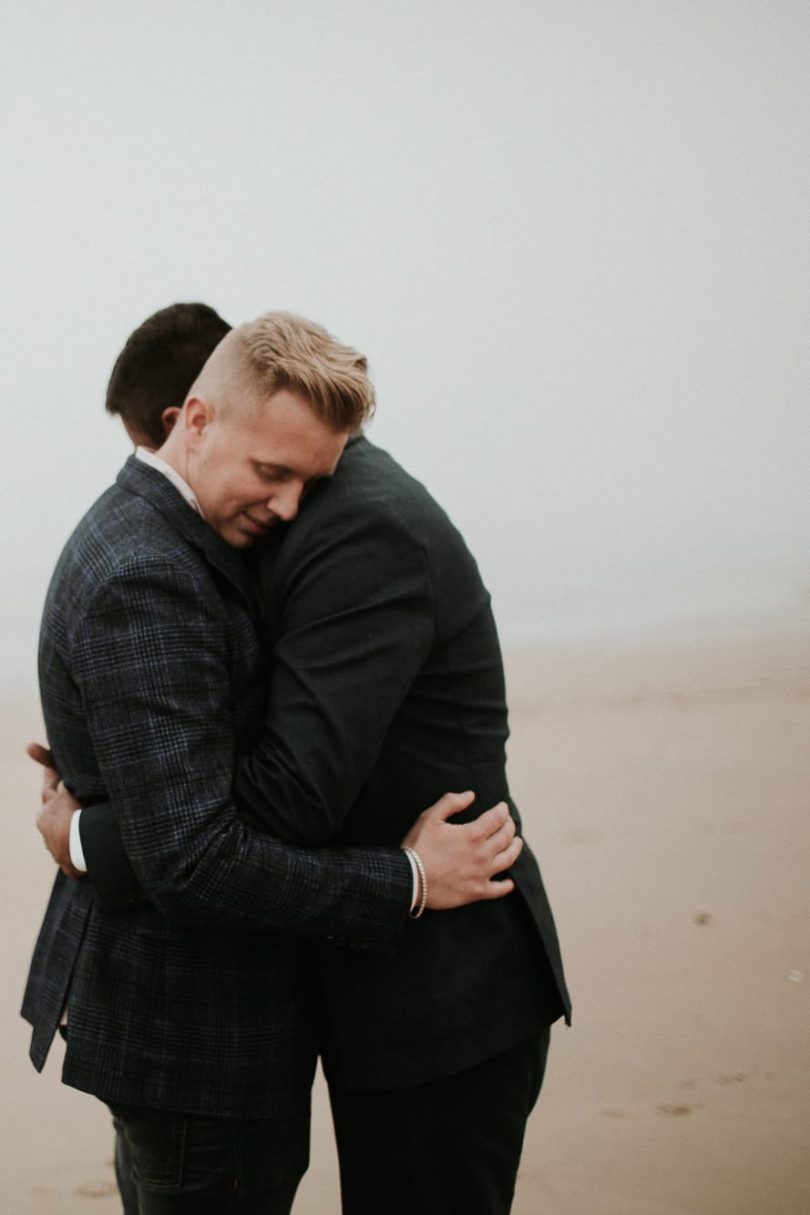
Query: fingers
[[506, 858], [486, 825], [450, 804], [501, 838], [41, 821], [50, 776], [40, 754], [51, 784], [496, 890], [502, 861], [492, 820]]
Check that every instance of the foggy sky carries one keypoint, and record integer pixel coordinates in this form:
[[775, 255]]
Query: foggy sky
[[572, 240]]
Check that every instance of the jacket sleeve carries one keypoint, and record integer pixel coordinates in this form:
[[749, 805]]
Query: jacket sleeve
[[149, 657], [108, 867], [357, 628]]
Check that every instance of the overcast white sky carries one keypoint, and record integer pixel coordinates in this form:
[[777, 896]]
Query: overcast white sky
[[572, 239]]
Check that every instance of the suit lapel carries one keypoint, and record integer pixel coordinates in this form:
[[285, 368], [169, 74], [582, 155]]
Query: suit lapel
[[231, 563], [147, 482]]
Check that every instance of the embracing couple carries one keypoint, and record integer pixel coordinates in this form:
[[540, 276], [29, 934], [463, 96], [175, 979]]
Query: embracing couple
[[264, 651]]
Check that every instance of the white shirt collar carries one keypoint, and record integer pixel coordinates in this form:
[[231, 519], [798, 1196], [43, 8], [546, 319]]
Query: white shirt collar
[[171, 474]]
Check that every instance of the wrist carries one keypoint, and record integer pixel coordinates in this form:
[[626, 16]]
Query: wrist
[[419, 900]]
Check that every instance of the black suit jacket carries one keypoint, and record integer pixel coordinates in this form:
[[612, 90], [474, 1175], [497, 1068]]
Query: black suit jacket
[[150, 670], [386, 690]]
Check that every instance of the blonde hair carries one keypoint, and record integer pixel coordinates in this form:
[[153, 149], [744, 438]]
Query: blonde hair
[[280, 350]]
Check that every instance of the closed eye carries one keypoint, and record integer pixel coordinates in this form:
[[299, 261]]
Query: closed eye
[[274, 474]]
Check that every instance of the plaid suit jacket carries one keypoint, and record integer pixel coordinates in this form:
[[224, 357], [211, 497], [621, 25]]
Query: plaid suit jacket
[[151, 678]]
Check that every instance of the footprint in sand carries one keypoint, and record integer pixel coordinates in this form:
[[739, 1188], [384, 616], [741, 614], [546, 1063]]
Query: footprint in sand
[[97, 1189], [675, 1111], [731, 1078]]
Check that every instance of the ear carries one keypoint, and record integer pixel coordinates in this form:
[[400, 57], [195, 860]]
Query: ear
[[197, 415], [168, 419]]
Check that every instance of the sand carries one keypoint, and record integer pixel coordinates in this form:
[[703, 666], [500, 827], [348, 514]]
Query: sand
[[665, 789]]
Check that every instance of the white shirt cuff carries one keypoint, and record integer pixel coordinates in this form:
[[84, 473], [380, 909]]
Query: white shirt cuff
[[75, 843]]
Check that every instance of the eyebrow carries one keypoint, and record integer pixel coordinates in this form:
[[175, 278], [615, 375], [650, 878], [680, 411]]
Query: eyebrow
[[274, 468], [286, 470]]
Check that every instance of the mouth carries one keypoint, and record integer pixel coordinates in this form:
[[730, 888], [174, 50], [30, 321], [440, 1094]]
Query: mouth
[[258, 527]]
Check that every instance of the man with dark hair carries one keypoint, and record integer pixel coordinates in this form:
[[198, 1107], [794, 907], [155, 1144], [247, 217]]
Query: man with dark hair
[[147, 392], [387, 684], [193, 1014]]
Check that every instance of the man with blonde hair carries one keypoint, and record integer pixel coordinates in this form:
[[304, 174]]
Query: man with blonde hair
[[187, 1011]]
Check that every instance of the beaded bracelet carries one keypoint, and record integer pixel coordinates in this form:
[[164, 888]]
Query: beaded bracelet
[[417, 860]]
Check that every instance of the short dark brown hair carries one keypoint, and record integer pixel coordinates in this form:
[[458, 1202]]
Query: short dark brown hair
[[159, 362]]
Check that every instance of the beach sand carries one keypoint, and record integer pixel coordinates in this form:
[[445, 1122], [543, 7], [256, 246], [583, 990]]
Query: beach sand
[[665, 791]]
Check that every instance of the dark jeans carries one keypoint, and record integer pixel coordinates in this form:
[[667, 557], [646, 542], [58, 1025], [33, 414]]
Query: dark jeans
[[449, 1146], [187, 1164]]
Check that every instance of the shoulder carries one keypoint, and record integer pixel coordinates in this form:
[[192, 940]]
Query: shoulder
[[122, 540], [371, 525], [370, 489]]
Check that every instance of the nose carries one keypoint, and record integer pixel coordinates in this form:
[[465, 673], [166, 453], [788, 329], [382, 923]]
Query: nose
[[285, 502]]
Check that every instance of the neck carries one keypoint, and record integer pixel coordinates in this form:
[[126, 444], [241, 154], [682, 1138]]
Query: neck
[[175, 455]]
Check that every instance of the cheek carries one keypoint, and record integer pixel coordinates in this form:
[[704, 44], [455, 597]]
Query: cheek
[[258, 491]]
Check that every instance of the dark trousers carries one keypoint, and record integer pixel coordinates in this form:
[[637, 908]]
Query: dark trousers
[[185, 1164], [449, 1146]]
